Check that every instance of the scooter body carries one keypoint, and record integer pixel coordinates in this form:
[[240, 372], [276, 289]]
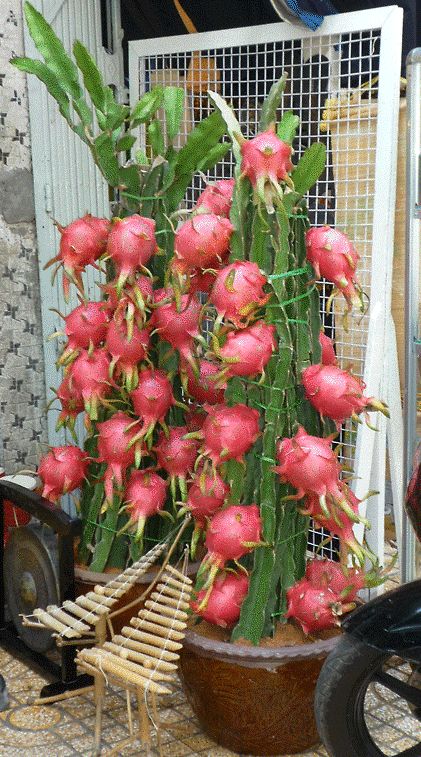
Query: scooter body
[[391, 622]]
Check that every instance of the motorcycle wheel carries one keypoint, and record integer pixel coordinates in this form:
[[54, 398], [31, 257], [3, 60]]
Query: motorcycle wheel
[[341, 693]]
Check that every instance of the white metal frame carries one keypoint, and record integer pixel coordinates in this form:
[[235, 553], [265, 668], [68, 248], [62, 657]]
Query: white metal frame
[[380, 365]]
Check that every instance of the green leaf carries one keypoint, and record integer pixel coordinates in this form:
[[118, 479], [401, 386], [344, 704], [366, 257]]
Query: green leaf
[[271, 104], [156, 137], [53, 52], [200, 141], [125, 143], [310, 167], [92, 78], [214, 155], [174, 110], [129, 178], [141, 158], [106, 159], [287, 127], [83, 110], [44, 74], [147, 106], [231, 121]]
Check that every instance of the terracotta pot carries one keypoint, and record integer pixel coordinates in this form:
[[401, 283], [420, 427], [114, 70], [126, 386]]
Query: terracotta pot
[[254, 700], [85, 580]]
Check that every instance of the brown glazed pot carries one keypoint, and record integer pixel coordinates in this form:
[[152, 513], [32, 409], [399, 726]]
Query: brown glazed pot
[[254, 700]]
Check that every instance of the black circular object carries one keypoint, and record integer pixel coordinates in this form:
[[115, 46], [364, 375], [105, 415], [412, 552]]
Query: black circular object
[[341, 698], [30, 579]]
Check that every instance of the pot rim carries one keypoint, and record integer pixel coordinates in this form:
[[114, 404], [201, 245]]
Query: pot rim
[[223, 650]]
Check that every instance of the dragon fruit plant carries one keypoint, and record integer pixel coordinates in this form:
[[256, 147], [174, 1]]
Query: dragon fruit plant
[[206, 383]]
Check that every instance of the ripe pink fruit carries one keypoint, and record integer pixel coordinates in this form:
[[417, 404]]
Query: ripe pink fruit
[[223, 605], [194, 418], [339, 520], [144, 496], [232, 533], [314, 608], [328, 350], [229, 432], [175, 454], [126, 350], [337, 394], [334, 257], [344, 582], [131, 244], [204, 390], [217, 197], [309, 464], [179, 328], [131, 304], [114, 437], [206, 495], [202, 241], [152, 399], [82, 242], [89, 375], [71, 404], [85, 325], [62, 470], [266, 161], [248, 351], [238, 292]]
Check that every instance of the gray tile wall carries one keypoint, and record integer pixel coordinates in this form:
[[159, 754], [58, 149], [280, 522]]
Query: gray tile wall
[[22, 388]]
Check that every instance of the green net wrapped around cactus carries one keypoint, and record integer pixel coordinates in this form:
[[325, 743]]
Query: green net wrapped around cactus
[[202, 372]]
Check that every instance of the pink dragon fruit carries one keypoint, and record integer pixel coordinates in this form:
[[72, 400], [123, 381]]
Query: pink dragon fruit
[[206, 495], [203, 389], [313, 607], [132, 303], [238, 292], [85, 325], [266, 161], [202, 242], [203, 280], [232, 533], [131, 244], [89, 375], [334, 258], [224, 602], [248, 351], [229, 432], [82, 242], [195, 418], [328, 350], [175, 454], [217, 198], [126, 352], [339, 520], [71, 404], [144, 496], [343, 581], [152, 399], [337, 394], [62, 470], [178, 327], [114, 437], [309, 464]]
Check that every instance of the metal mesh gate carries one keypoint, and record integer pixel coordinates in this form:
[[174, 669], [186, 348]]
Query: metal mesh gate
[[357, 189]]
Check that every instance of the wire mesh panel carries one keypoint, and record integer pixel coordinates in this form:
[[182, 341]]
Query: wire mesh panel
[[358, 124]]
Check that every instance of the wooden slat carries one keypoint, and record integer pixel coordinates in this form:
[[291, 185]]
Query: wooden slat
[[87, 617], [51, 622], [125, 653], [96, 607], [148, 661], [109, 591], [159, 630], [157, 641], [100, 598], [171, 581], [169, 612], [68, 619], [170, 601], [170, 592], [176, 573], [154, 617], [149, 649], [103, 662]]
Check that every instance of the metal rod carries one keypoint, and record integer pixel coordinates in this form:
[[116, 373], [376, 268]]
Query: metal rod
[[413, 216]]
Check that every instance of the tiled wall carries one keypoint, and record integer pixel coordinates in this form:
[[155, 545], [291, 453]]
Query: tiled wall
[[22, 390]]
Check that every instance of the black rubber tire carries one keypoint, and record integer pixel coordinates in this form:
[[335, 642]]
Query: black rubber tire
[[339, 698]]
